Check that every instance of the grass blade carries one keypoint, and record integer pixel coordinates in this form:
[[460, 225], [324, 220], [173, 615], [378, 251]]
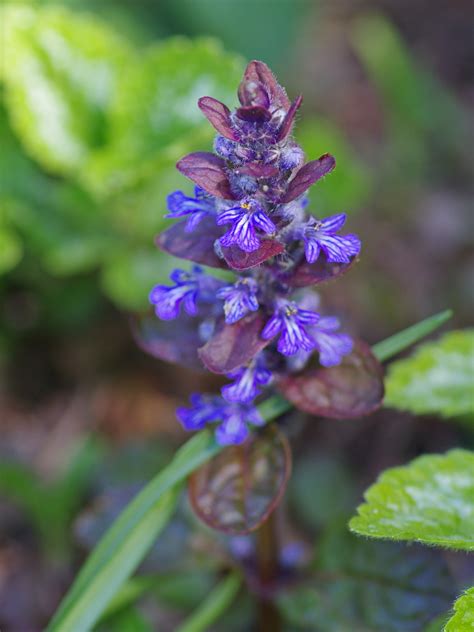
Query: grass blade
[[213, 607], [398, 342]]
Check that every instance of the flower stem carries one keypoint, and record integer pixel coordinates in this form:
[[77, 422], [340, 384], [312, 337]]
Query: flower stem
[[267, 567]]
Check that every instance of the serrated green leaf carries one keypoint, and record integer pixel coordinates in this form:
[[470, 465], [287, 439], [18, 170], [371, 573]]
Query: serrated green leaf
[[463, 619], [365, 586], [430, 500], [157, 108], [61, 71], [349, 185], [437, 378]]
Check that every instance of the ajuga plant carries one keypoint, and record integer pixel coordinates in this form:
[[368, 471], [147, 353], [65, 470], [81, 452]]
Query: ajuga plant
[[265, 328]]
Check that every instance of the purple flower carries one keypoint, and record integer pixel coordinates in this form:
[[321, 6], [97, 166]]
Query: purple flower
[[234, 427], [181, 205], [290, 322], [205, 408], [247, 382], [188, 288], [239, 299], [233, 417], [245, 218], [332, 346], [321, 235]]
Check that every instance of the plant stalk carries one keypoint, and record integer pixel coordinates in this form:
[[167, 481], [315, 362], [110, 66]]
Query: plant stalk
[[268, 619]]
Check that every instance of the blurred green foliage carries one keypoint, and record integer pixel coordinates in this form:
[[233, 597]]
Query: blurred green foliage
[[94, 123]]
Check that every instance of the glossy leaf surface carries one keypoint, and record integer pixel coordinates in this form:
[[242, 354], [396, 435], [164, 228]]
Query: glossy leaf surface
[[237, 259], [351, 389], [437, 378], [321, 271], [218, 115], [463, 618], [430, 500], [234, 345], [196, 245], [236, 491], [175, 341], [309, 173], [207, 171]]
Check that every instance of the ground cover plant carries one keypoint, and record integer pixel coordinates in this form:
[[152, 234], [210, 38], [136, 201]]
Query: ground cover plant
[[272, 259], [261, 329]]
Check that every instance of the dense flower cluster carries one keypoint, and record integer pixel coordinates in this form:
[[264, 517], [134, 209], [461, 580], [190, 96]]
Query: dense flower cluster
[[249, 214]]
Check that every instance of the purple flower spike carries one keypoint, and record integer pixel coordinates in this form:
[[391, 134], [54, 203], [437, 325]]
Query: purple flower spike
[[188, 288], [245, 219], [196, 208], [234, 428], [248, 215], [239, 299], [332, 346], [247, 382], [290, 321], [321, 235]]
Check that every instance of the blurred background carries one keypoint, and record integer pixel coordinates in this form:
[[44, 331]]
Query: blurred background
[[98, 101]]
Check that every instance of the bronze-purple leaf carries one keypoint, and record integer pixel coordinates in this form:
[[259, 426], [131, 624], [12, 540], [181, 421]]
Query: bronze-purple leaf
[[288, 121], [208, 171], [352, 389], [218, 116], [237, 259], [238, 489], [253, 114], [258, 170], [197, 245], [175, 341], [309, 173], [322, 270], [234, 345], [259, 81]]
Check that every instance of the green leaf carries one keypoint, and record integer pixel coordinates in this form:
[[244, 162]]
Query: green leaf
[[127, 620], [437, 378], [365, 586], [91, 597], [61, 73], [124, 545], [157, 110], [213, 606], [463, 619], [349, 185], [11, 249], [430, 500], [398, 342]]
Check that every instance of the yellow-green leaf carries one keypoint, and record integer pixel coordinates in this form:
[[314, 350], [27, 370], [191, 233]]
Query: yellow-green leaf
[[437, 378], [430, 500]]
